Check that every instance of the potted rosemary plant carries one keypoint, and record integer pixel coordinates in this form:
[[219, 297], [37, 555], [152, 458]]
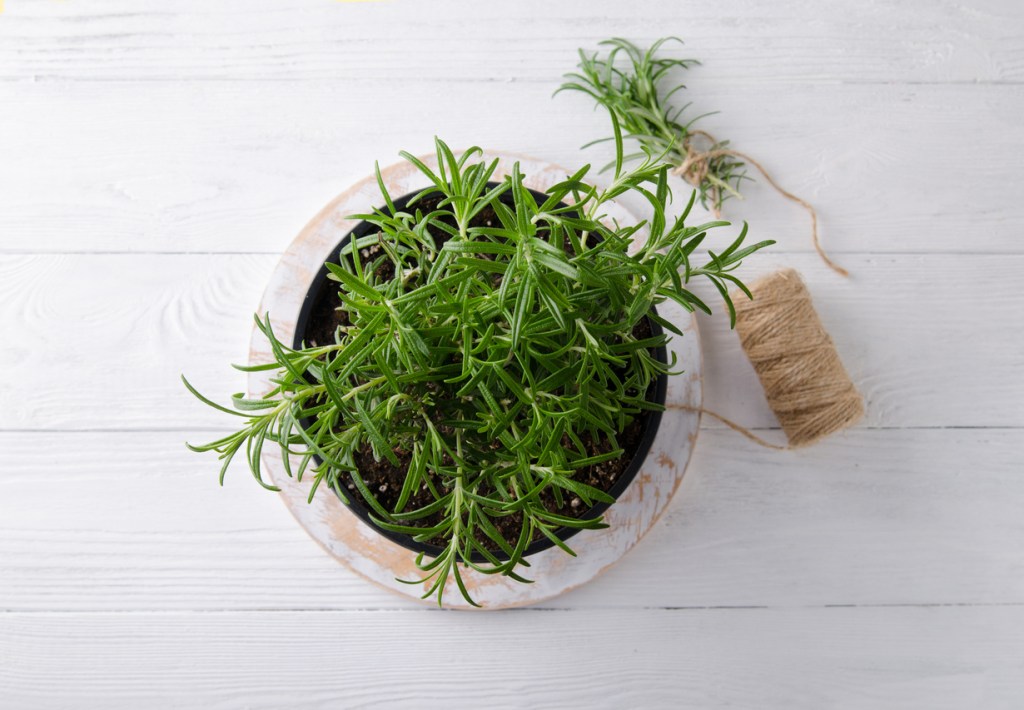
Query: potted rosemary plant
[[481, 370]]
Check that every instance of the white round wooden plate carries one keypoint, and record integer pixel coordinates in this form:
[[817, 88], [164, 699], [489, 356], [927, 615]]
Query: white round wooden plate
[[379, 560]]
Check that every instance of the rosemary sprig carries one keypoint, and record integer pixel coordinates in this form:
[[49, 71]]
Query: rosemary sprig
[[632, 92], [485, 356]]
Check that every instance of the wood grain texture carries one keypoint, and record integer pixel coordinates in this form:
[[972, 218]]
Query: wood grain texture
[[440, 42], [149, 318], [240, 166], [939, 658], [871, 517]]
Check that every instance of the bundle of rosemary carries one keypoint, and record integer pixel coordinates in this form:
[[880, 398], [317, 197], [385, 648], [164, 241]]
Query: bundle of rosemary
[[636, 87], [632, 92], [483, 361]]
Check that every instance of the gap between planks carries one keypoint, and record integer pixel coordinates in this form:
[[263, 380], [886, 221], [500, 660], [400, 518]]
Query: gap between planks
[[517, 610], [469, 81]]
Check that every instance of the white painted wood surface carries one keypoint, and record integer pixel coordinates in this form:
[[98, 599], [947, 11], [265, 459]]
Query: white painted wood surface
[[156, 158]]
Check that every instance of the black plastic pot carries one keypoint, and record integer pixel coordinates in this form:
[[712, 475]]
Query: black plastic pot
[[650, 420]]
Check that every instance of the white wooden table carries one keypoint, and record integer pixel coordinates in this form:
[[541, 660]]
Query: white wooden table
[[157, 157]]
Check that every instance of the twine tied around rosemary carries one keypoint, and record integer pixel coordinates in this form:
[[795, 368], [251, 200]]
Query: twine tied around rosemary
[[696, 164]]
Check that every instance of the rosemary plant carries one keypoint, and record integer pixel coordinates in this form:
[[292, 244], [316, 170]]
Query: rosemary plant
[[632, 92], [482, 357]]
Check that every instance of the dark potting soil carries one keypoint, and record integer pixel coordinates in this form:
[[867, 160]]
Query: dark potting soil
[[385, 480]]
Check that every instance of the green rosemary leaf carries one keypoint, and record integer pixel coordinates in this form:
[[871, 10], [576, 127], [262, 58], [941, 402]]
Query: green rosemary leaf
[[354, 284], [382, 188], [557, 263], [247, 405], [380, 444], [559, 542], [208, 402], [476, 247]]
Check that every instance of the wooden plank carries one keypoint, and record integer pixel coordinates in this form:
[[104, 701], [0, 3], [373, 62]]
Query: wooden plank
[[258, 40], [937, 658], [242, 166], [105, 522], [99, 341]]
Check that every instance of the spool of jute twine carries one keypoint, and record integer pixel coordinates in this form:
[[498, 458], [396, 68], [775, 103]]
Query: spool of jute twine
[[803, 378]]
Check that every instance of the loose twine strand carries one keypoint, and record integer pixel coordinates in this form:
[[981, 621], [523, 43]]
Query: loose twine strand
[[803, 378], [731, 424], [695, 167]]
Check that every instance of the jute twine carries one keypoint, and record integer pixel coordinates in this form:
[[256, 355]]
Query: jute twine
[[696, 164], [803, 378]]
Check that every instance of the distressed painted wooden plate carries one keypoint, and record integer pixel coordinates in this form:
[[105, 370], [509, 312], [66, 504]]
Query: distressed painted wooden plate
[[381, 561]]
